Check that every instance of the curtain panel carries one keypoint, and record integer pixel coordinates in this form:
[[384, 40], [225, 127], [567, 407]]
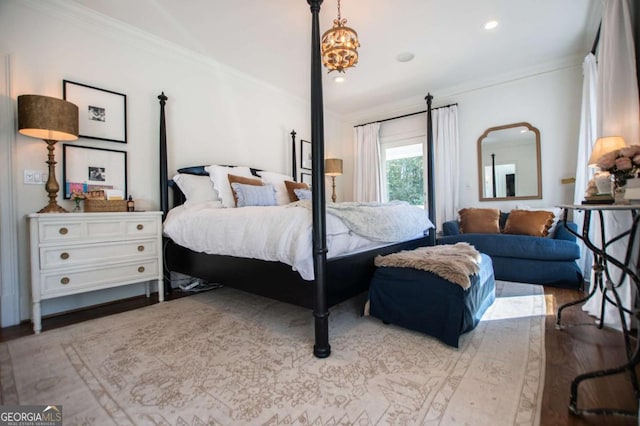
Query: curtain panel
[[447, 160], [366, 175], [618, 115], [586, 139]]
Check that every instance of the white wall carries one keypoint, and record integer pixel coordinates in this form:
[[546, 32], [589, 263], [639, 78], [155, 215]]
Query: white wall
[[549, 101], [214, 114]]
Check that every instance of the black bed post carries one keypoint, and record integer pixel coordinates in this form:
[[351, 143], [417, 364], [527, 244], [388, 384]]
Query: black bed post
[[321, 348], [164, 180], [294, 169], [431, 184]]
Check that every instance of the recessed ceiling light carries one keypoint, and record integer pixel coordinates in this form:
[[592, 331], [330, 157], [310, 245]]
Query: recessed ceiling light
[[338, 79], [490, 25], [405, 57]]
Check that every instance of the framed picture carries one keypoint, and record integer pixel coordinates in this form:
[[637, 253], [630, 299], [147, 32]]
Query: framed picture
[[306, 178], [102, 113], [305, 155], [91, 169]]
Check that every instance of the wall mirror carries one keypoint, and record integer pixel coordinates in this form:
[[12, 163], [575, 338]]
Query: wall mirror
[[509, 163]]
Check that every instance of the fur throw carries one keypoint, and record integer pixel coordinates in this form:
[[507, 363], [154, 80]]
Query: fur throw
[[452, 262]]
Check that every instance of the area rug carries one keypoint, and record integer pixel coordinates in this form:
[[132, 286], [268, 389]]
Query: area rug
[[229, 358]]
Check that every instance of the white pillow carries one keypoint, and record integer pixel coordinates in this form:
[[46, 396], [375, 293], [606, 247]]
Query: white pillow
[[254, 195], [557, 215], [196, 189], [220, 179], [277, 180]]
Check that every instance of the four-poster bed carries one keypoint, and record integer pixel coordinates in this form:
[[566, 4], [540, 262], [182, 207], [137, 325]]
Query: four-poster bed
[[335, 279]]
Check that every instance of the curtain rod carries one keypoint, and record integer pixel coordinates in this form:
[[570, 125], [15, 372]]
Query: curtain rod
[[405, 115]]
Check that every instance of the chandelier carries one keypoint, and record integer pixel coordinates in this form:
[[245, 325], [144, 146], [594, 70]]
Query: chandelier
[[339, 46]]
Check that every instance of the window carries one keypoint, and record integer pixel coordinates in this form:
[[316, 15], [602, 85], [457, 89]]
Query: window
[[402, 166]]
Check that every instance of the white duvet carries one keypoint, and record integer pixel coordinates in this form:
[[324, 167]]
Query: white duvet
[[274, 233]]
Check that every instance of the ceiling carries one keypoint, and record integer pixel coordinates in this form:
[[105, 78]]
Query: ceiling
[[270, 39]]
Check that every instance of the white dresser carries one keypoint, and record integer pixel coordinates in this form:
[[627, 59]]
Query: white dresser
[[80, 252]]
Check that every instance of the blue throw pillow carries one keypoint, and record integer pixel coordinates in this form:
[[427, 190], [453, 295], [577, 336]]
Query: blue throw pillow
[[254, 195], [302, 194]]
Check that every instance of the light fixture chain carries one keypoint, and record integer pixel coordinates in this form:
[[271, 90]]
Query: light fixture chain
[[338, 10]]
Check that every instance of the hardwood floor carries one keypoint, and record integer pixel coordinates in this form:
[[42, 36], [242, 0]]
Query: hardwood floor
[[577, 350], [569, 352]]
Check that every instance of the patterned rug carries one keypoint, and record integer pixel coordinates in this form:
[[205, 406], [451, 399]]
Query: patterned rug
[[228, 358]]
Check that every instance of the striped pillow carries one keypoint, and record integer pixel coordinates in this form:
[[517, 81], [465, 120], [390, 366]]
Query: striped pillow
[[254, 195]]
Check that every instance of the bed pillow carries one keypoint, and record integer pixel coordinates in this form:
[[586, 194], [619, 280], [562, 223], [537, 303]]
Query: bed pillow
[[196, 189], [243, 180], [277, 180], [302, 194], [529, 222], [254, 195], [479, 221], [218, 175], [294, 185]]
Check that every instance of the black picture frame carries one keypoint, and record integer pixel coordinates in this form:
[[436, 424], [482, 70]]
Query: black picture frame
[[87, 169], [102, 113], [306, 160], [305, 178]]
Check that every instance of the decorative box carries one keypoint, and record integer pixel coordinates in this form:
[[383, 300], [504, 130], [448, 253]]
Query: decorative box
[[93, 206]]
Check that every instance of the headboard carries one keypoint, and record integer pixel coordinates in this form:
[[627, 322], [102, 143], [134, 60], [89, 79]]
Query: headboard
[[178, 196], [166, 183]]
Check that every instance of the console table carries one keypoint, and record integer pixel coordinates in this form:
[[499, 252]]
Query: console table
[[629, 266]]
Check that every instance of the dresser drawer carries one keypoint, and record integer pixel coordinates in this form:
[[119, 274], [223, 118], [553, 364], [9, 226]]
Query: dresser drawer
[[62, 283], [103, 253], [60, 231], [121, 226]]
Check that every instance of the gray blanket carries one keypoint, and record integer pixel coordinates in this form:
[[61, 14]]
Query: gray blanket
[[383, 222]]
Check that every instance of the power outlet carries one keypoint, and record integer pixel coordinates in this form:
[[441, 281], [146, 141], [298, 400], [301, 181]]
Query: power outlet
[[35, 177]]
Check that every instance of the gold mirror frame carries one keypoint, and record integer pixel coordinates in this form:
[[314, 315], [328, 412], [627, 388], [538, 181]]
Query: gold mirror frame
[[481, 164]]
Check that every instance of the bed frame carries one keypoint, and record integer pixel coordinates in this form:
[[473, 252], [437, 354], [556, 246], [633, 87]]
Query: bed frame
[[336, 279]]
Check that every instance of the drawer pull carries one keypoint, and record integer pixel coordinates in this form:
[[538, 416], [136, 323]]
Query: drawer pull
[[63, 231], [140, 227], [140, 248], [64, 255], [140, 269], [65, 280]]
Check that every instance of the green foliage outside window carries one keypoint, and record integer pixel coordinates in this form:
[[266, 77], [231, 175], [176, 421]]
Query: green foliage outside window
[[405, 180]]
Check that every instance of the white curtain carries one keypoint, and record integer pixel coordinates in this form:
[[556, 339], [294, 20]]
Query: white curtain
[[586, 139], [366, 175], [617, 116], [446, 155]]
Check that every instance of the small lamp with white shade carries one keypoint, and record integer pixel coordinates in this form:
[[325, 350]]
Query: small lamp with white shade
[[604, 145]]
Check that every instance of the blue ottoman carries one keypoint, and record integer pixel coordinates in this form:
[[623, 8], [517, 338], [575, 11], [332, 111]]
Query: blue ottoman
[[422, 301]]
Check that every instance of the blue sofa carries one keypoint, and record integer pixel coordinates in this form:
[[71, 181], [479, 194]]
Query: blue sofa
[[522, 258]]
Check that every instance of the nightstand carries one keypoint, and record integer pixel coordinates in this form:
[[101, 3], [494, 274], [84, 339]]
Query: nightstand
[[75, 253]]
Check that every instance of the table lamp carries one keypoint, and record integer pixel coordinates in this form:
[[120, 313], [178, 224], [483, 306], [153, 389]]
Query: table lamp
[[604, 146], [52, 120], [333, 168]]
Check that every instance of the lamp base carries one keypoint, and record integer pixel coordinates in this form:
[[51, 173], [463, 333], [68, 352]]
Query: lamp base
[[52, 186], [53, 208]]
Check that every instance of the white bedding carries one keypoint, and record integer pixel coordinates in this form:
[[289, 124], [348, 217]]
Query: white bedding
[[274, 233]]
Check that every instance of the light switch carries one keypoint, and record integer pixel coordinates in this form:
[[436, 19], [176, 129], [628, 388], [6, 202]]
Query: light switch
[[35, 177]]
